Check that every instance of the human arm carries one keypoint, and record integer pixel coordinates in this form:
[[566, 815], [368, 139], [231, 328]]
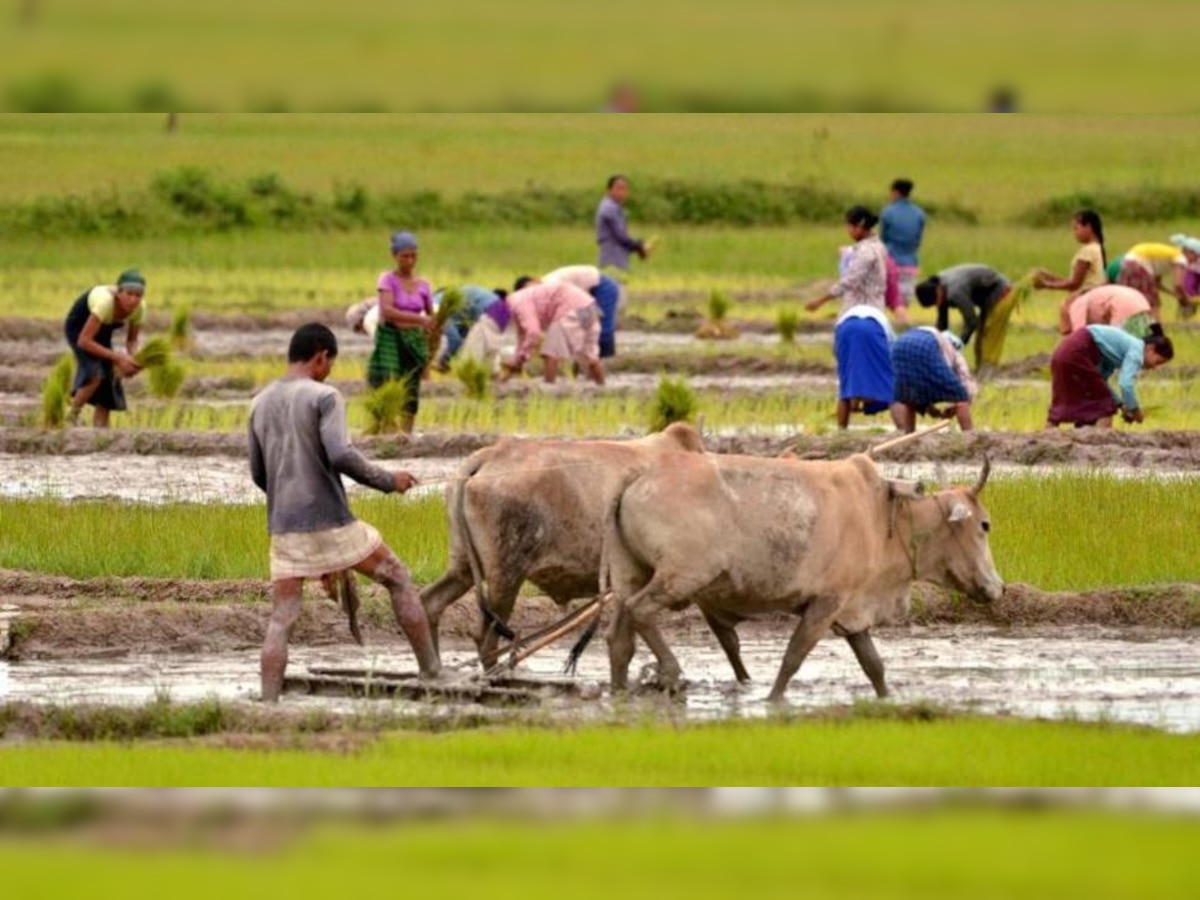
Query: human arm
[[858, 270], [1131, 364], [342, 456], [258, 465], [612, 227], [529, 333], [131, 338], [122, 362], [1072, 282]]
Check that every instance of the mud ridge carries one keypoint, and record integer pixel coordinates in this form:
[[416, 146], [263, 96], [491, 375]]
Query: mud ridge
[[109, 618]]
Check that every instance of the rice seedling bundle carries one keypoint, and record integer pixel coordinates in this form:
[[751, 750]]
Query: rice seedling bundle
[[384, 406], [157, 352]]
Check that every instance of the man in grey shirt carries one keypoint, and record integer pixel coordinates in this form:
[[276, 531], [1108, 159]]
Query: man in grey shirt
[[298, 452], [612, 234]]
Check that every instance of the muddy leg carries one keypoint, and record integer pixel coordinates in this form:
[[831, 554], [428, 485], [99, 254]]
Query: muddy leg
[[440, 595], [668, 666], [286, 597], [620, 648], [727, 635], [814, 622], [868, 658], [502, 597], [383, 567]]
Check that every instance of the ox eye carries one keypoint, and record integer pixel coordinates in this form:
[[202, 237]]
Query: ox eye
[[987, 526]]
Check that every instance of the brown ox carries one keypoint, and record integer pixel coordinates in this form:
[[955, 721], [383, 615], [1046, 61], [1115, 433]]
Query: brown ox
[[831, 542], [524, 510]]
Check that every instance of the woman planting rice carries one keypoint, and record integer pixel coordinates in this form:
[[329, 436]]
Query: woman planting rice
[[862, 335], [930, 369], [1110, 304], [1145, 266], [405, 321], [89, 327], [1082, 365], [1088, 265]]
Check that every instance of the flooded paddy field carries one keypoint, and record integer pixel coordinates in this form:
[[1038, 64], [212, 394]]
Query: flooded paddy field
[[1149, 678]]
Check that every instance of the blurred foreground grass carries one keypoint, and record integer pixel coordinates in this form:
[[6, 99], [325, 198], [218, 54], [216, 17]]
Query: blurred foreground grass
[[883, 749]]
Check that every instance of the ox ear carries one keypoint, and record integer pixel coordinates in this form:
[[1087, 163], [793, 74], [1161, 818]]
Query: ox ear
[[905, 490], [979, 485], [959, 512]]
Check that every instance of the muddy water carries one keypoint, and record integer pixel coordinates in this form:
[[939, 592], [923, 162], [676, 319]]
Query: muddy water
[[1094, 674], [161, 479], [222, 479]]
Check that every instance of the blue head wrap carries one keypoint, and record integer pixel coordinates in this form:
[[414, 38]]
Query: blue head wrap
[[403, 240]]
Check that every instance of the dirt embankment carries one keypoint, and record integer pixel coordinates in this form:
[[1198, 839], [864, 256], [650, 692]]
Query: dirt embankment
[[1149, 450], [113, 617]]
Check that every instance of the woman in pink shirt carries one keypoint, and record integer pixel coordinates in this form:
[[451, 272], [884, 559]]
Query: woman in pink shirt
[[560, 322], [1111, 304], [405, 321]]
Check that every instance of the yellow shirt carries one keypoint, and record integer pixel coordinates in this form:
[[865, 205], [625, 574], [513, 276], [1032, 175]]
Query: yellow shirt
[[1094, 257], [102, 303], [1157, 259]]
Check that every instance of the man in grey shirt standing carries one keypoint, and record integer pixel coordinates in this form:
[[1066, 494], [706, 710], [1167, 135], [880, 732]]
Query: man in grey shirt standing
[[299, 450], [612, 234]]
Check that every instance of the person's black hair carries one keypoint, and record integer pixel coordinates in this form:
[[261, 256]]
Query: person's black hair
[[902, 186], [1161, 343], [613, 179], [522, 281], [309, 340], [500, 293], [1091, 218], [861, 216], [927, 291], [1156, 329]]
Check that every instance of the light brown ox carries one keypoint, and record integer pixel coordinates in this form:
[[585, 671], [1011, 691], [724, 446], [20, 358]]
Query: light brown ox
[[526, 510], [832, 542]]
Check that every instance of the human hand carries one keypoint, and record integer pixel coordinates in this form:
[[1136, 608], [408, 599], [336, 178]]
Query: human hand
[[125, 365], [814, 304], [405, 481]]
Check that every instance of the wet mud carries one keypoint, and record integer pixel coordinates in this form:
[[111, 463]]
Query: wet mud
[[1092, 674]]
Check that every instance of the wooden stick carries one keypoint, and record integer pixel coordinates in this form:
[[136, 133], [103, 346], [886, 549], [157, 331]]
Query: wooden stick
[[584, 616], [906, 438]]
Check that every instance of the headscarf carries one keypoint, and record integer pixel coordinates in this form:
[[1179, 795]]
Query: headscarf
[[131, 278], [954, 339], [403, 240], [1186, 242]]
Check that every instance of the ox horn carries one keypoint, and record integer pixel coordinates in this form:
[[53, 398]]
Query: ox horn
[[978, 487]]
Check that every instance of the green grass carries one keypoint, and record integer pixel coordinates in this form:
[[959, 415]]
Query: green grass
[[189, 540], [996, 164], [1114, 533], [281, 271], [943, 853], [808, 751]]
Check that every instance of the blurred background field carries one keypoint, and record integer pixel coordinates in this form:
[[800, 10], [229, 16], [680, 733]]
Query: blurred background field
[[929, 55]]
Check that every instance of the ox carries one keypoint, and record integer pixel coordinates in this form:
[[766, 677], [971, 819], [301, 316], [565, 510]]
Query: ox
[[534, 511], [831, 542]]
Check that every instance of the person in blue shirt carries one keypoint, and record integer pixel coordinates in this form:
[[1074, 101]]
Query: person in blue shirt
[[902, 228], [1084, 362]]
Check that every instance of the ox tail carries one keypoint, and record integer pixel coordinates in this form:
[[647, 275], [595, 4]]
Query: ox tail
[[610, 535], [490, 619]]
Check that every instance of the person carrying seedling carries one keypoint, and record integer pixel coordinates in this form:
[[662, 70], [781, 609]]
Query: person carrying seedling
[[406, 320], [558, 321], [974, 290], [95, 316], [1083, 363], [930, 369], [298, 452]]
